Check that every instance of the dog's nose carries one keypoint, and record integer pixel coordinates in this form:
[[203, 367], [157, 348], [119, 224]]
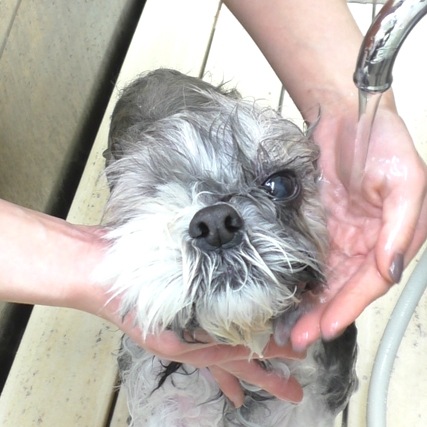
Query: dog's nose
[[216, 227]]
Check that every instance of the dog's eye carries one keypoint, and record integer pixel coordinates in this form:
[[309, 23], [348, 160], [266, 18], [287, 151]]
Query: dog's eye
[[282, 186]]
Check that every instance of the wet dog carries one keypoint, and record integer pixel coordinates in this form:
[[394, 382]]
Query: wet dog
[[216, 225]]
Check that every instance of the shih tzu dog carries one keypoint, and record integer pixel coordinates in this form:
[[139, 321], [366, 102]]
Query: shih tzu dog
[[215, 225]]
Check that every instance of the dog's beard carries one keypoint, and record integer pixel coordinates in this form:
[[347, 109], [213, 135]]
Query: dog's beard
[[234, 295], [184, 164]]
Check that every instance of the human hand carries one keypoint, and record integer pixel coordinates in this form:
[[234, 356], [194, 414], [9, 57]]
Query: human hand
[[228, 364], [375, 227]]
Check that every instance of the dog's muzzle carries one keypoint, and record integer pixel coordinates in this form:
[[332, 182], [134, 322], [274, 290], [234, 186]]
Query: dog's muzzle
[[217, 226]]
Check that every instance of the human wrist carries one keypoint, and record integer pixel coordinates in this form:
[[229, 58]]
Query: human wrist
[[44, 260], [341, 111], [86, 250], [315, 66]]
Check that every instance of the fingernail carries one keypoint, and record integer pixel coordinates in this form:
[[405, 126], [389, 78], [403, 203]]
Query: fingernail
[[299, 345], [335, 330], [237, 402], [297, 391], [396, 268]]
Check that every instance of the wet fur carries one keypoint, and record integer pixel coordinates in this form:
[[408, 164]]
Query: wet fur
[[178, 145]]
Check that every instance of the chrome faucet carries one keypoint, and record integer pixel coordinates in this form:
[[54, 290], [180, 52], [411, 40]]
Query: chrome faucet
[[382, 42]]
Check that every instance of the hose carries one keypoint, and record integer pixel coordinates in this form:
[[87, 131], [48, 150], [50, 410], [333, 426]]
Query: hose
[[390, 342]]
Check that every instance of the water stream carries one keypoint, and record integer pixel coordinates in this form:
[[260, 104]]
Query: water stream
[[368, 104]]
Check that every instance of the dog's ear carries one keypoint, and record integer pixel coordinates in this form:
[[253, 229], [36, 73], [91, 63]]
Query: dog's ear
[[154, 96], [112, 153]]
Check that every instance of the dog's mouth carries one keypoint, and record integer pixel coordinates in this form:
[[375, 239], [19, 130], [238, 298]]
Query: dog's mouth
[[283, 324], [307, 293], [245, 293], [234, 312], [279, 328]]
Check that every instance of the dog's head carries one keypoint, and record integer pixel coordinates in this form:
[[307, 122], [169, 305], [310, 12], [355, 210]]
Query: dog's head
[[215, 220]]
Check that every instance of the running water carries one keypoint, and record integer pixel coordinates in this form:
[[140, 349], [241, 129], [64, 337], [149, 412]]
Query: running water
[[368, 104]]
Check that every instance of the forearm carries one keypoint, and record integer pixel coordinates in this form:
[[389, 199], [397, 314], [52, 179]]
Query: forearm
[[45, 260], [315, 63]]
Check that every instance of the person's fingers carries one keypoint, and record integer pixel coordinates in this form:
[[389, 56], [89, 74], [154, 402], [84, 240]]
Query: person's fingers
[[284, 388], [273, 350], [307, 330], [165, 344], [344, 300], [403, 232], [229, 385], [398, 187], [214, 354], [169, 346], [364, 287]]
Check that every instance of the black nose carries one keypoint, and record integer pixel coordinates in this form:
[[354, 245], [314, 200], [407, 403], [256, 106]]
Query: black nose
[[216, 226]]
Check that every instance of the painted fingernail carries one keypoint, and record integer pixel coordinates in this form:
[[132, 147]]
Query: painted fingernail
[[396, 268]]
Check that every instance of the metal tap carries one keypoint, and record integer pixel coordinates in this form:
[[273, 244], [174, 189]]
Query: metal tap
[[382, 42]]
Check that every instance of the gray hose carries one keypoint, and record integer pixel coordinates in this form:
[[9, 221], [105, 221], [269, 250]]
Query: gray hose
[[390, 342]]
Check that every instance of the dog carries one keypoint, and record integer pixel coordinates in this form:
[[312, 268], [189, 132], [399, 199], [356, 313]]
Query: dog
[[215, 224]]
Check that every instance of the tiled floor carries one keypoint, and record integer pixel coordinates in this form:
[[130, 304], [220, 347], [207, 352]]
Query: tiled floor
[[65, 370]]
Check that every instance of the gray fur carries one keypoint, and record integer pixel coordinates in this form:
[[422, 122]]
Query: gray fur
[[177, 146]]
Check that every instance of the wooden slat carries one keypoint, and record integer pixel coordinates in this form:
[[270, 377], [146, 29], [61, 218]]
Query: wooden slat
[[121, 413], [63, 374], [8, 13]]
